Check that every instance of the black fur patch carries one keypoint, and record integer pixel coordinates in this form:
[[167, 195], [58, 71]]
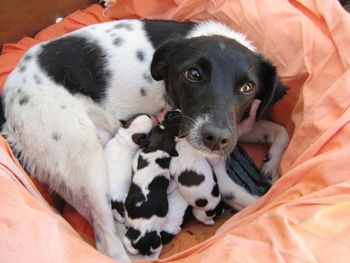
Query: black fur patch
[[163, 162], [23, 100], [22, 68], [216, 211], [132, 233], [140, 54], [148, 77], [118, 41], [215, 192], [159, 31], [119, 207], [76, 63], [27, 57], [37, 79], [190, 178], [143, 92], [148, 241], [141, 163], [56, 136], [166, 237], [156, 202], [201, 202], [124, 26]]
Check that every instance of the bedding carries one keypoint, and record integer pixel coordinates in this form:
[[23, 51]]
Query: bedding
[[304, 216]]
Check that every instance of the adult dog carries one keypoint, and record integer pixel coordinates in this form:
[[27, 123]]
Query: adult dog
[[65, 99]]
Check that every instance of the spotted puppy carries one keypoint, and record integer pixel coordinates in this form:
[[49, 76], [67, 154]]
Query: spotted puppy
[[120, 152], [196, 182], [146, 205]]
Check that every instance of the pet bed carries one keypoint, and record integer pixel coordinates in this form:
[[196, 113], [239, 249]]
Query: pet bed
[[304, 216]]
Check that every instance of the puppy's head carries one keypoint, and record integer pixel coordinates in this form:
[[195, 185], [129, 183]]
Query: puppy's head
[[162, 138], [213, 80], [138, 127], [147, 244]]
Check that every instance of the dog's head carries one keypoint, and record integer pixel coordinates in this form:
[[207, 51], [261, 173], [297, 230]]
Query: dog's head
[[213, 80], [138, 127]]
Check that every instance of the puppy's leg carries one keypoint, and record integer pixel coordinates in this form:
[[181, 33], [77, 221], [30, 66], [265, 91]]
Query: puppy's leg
[[274, 134], [231, 193]]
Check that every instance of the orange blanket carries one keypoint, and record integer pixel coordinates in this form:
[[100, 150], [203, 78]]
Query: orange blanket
[[304, 217]]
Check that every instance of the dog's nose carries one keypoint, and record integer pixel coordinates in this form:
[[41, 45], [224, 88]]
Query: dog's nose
[[215, 138]]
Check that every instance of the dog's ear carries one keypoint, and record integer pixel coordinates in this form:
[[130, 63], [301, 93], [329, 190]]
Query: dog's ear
[[271, 88], [161, 59], [140, 139]]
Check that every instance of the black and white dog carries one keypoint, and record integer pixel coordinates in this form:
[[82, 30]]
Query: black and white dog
[[67, 95]]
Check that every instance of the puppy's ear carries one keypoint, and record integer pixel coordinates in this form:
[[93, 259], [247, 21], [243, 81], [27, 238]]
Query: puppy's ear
[[271, 88], [140, 139], [161, 59]]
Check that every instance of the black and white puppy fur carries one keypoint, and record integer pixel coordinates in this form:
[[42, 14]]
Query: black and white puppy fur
[[196, 182], [120, 152], [146, 206], [67, 95]]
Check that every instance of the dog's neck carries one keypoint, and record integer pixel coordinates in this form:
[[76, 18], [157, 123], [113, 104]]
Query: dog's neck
[[215, 28]]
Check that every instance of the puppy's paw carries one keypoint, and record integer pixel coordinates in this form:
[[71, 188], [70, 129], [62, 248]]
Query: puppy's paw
[[270, 172]]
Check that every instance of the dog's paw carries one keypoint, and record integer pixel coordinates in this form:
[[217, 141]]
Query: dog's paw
[[270, 172]]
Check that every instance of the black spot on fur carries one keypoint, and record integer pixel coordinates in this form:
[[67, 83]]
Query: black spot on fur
[[215, 178], [216, 211], [215, 192], [143, 92], [118, 41], [166, 237], [27, 57], [151, 240], [141, 163], [22, 68], [163, 162], [159, 31], [156, 202], [37, 79], [78, 64], [229, 196], [123, 26], [23, 100], [140, 54], [56, 136], [132, 233], [148, 77], [190, 178], [119, 207], [201, 202], [266, 137]]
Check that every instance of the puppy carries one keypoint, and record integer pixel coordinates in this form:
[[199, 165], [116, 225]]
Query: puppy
[[66, 96], [196, 182], [146, 205], [178, 214], [120, 152]]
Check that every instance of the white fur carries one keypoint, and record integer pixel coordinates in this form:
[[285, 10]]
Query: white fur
[[176, 213], [120, 152], [211, 28], [190, 159]]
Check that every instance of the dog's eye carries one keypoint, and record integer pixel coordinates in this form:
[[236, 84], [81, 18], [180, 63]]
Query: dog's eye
[[192, 74], [248, 87]]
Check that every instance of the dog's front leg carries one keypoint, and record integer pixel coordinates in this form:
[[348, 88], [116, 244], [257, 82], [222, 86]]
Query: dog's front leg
[[274, 134]]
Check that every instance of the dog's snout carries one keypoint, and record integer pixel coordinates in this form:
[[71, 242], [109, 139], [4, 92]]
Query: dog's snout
[[215, 138]]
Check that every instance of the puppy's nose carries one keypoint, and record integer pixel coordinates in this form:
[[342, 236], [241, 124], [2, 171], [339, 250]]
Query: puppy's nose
[[215, 138]]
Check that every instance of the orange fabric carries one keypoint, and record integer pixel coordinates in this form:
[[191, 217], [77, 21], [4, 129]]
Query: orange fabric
[[304, 217]]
